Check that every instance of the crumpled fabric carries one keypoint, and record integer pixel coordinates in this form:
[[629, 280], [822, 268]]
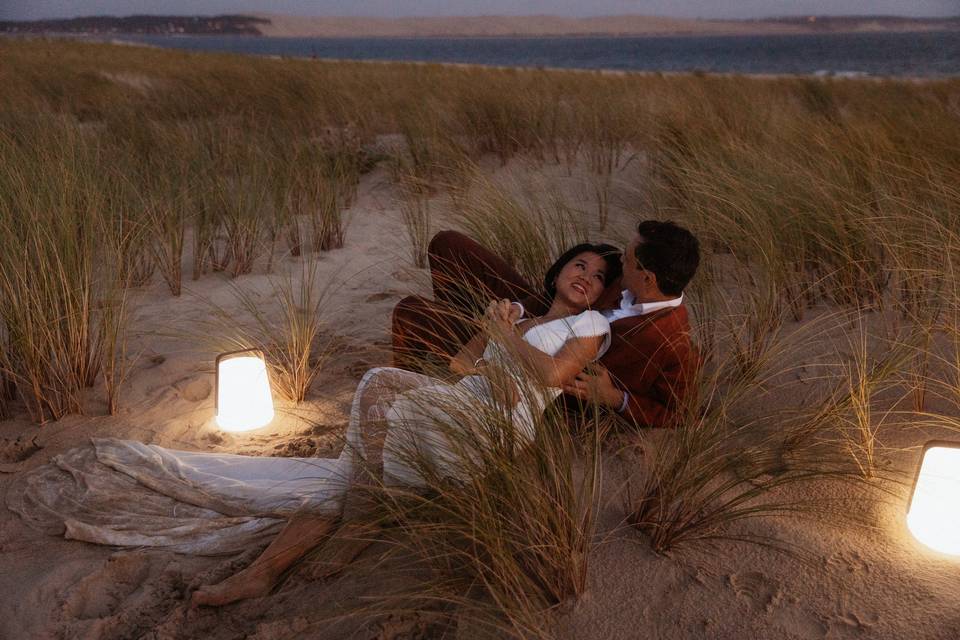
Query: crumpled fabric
[[130, 494]]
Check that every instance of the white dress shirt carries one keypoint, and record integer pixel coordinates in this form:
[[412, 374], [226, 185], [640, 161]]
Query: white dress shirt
[[629, 307]]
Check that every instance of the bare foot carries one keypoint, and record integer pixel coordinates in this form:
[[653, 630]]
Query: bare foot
[[302, 533], [242, 586]]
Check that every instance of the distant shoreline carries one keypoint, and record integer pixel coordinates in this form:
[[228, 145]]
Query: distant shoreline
[[761, 76], [119, 38]]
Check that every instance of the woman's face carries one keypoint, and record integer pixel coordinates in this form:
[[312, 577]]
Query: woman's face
[[581, 281]]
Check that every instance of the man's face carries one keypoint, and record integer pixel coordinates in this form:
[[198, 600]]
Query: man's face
[[636, 279]]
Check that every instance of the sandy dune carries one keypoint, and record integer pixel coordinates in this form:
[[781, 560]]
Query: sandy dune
[[860, 583]]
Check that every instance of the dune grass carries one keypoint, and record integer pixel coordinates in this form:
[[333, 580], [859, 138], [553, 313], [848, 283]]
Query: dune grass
[[527, 230], [62, 272], [414, 205], [289, 328], [498, 530]]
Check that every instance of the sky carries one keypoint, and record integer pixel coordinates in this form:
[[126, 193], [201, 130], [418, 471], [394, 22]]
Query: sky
[[736, 9]]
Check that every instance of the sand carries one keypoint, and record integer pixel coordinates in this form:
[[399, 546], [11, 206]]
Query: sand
[[860, 583]]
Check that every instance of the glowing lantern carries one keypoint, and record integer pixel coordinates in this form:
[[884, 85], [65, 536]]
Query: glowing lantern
[[933, 515], [243, 391]]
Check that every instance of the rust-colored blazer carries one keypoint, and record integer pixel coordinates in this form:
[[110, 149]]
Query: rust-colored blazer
[[652, 358]]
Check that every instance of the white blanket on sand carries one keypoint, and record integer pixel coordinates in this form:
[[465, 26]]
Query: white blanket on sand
[[125, 493]]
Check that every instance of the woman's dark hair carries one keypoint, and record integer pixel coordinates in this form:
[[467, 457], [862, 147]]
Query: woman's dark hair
[[609, 253], [669, 251]]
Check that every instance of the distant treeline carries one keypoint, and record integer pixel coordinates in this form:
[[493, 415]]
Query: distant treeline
[[195, 25], [250, 25]]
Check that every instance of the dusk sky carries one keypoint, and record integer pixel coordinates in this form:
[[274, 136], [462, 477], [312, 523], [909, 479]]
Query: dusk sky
[[39, 9]]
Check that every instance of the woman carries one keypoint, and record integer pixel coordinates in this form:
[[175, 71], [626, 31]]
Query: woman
[[401, 423], [511, 368]]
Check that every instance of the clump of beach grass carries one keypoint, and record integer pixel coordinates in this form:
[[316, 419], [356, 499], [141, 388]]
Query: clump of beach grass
[[724, 465], [501, 527], [62, 287], [526, 231], [866, 376], [414, 203], [289, 328], [325, 213], [242, 198]]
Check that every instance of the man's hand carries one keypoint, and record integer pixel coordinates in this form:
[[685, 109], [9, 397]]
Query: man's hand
[[594, 383]]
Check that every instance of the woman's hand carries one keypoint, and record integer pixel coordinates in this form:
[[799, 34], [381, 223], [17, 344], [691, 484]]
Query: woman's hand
[[501, 315]]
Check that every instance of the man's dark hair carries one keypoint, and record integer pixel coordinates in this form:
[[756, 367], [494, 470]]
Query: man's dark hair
[[671, 252], [609, 253]]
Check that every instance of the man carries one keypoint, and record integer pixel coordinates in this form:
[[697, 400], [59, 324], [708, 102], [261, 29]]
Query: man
[[644, 375]]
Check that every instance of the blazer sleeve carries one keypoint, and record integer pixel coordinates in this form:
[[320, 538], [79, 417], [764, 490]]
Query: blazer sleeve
[[657, 405], [658, 383]]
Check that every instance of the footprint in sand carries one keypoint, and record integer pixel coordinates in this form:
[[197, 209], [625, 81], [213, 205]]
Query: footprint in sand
[[194, 389], [286, 628], [849, 562], [214, 437], [102, 592], [416, 626], [123, 598], [17, 450], [380, 297], [849, 624], [765, 596], [799, 622], [759, 591], [306, 447]]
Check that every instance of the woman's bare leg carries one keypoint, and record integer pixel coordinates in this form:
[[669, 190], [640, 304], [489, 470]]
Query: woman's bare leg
[[303, 532], [343, 547], [300, 535]]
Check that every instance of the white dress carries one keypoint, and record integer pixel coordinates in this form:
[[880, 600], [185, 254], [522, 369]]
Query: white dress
[[127, 493]]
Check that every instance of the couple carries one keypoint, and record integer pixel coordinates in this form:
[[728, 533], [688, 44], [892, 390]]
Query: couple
[[645, 362], [648, 358], [631, 319]]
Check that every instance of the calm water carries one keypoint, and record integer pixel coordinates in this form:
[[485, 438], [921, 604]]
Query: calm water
[[903, 54]]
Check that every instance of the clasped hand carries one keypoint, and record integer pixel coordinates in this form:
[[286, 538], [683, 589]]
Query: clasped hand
[[595, 384], [501, 315]]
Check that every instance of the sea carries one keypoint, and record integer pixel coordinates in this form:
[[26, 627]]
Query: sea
[[926, 54]]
